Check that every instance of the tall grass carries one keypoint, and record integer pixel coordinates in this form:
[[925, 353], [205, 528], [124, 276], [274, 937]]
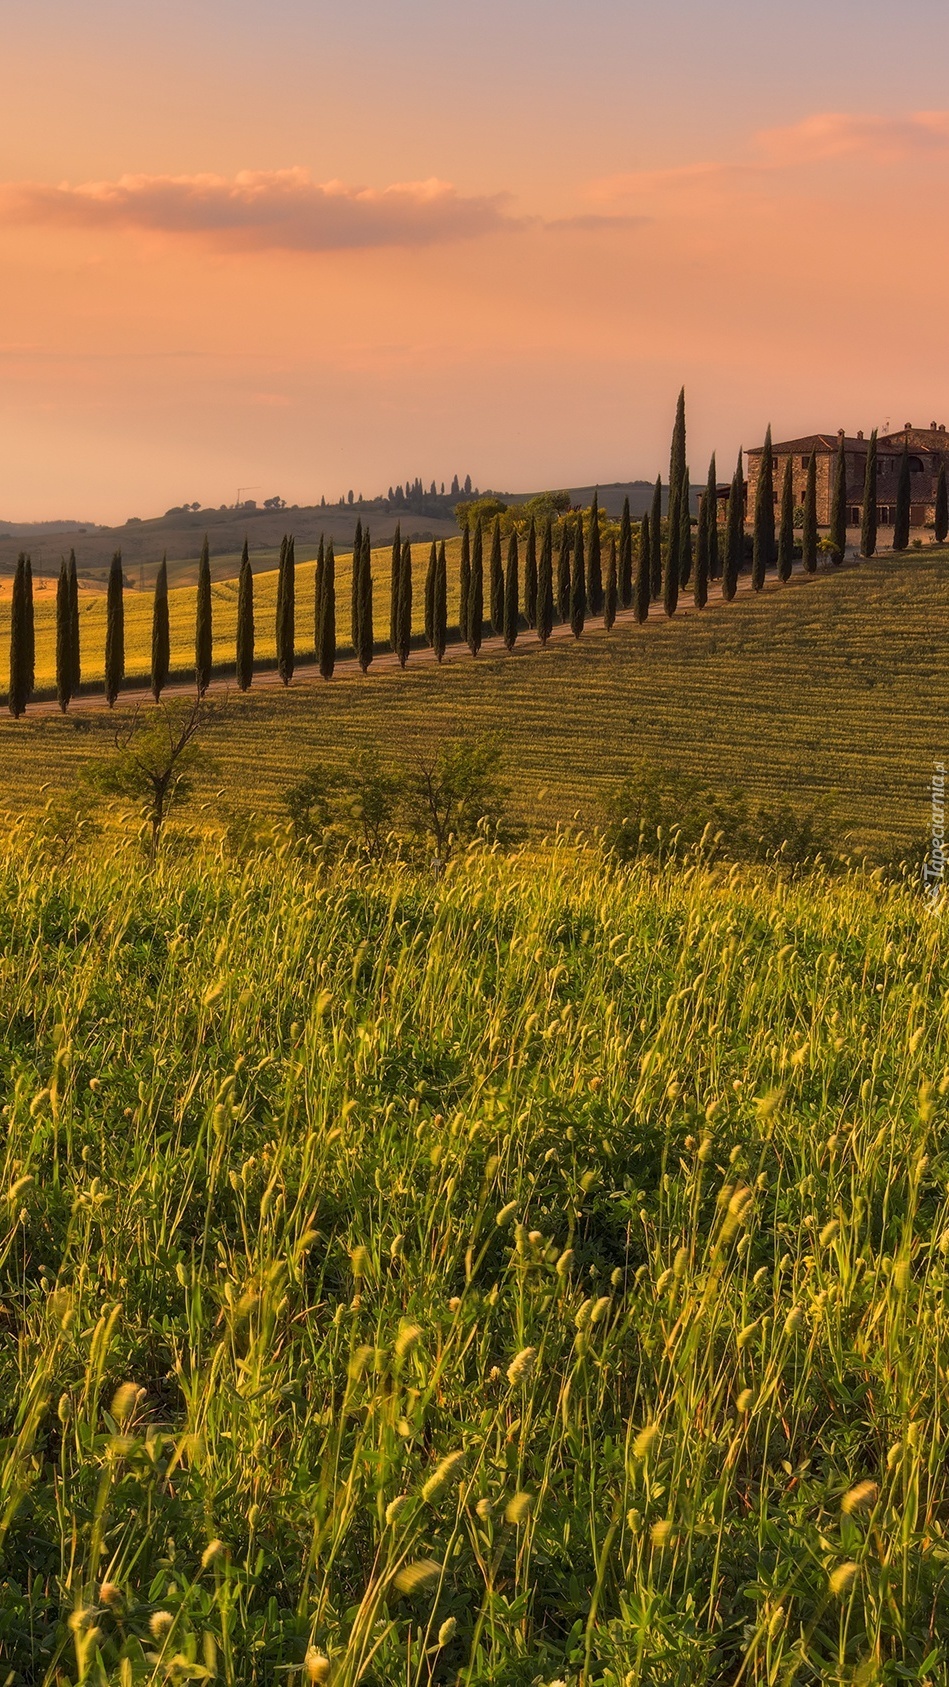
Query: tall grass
[[537, 1274]]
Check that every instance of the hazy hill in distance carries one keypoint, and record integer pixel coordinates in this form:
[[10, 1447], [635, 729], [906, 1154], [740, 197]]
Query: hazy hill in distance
[[179, 534]]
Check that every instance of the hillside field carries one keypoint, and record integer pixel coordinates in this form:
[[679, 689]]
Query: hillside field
[[830, 689], [538, 1275]]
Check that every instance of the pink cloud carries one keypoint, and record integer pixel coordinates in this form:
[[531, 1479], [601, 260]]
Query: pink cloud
[[263, 209], [835, 134]]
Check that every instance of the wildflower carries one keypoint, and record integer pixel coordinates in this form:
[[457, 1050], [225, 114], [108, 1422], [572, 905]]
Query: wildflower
[[842, 1577], [441, 1477], [111, 1595], [859, 1498], [447, 1630], [418, 1575], [317, 1665], [519, 1508], [160, 1624], [521, 1368]]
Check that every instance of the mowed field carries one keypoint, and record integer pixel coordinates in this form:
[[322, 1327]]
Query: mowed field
[[832, 688]]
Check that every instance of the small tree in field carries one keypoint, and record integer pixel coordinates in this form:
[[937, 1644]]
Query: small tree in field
[[454, 795], [153, 762]]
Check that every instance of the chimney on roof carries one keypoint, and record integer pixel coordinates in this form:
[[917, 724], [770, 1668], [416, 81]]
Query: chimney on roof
[[934, 426], [859, 433], [841, 433], [907, 425]]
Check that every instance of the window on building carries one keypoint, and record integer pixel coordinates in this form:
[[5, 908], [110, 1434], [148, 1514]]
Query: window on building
[[805, 462]]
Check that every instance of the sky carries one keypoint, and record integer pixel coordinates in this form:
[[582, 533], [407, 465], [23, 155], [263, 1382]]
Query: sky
[[298, 248]]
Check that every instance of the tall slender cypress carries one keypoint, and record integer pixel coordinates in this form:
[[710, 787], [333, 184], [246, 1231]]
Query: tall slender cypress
[[464, 583], [286, 613], [326, 649], [318, 595], [497, 579], [578, 582], [685, 530], [611, 589], [594, 561], [642, 590], [676, 471], [763, 556], [365, 647], [475, 613], [245, 622], [625, 584], [394, 579], [74, 625], [868, 530], [734, 535], [161, 630], [545, 583], [904, 497], [20, 688], [440, 604], [114, 631], [838, 506], [281, 576], [530, 576], [786, 530], [670, 593], [655, 542], [511, 592], [809, 530], [203, 644], [564, 558], [700, 581], [942, 507], [64, 661], [355, 591], [430, 573], [711, 529], [404, 637], [30, 630]]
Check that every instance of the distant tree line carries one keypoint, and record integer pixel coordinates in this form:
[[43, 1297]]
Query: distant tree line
[[534, 565]]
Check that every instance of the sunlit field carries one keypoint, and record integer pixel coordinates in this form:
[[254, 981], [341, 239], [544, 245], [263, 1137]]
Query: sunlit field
[[537, 1274]]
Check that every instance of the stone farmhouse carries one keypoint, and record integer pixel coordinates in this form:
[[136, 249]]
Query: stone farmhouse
[[928, 450]]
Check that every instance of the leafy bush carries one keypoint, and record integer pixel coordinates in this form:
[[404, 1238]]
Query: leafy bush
[[661, 814]]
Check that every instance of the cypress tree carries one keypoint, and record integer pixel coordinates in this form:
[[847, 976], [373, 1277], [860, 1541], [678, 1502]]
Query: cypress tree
[[74, 624], [809, 530], [464, 583], [711, 524], [430, 573], [838, 506], [530, 576], [700, 582], [281, 574], [786, 531], [326, 649], [245, 622], [642, 594], [355, 609], [670, 595], [578, 582], [19, 693], [475, 614], [318, 595], [868, 530], [161, 630], [685, 530], [764, 516], [545, 584], [676, 471], [114, 632], [942, 507], [440, 604], [655, 542], [64, 661], [394, 579], [202, 625], [611, 592], [594, 561], [625, 584], [904, 495], [497, 579], [286, 613], [734, 535], [563, 572], [511, 592], [30, 628], [404, 637], [365, 648]]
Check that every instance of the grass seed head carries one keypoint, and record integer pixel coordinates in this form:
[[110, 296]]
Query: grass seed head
[[447, 1471], [506, 1214], [860, 1498], [841, 1578], [214, 1549], [317, 1665], [660, 1534], [406, 1340], [447, 1630], [160, 1624], [521, 1368], [413, 1577], [123, 1402], [643, 1444], [519, 1508]]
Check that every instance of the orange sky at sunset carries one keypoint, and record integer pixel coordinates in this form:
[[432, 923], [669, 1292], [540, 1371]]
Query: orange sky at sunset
[[309, 249]]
